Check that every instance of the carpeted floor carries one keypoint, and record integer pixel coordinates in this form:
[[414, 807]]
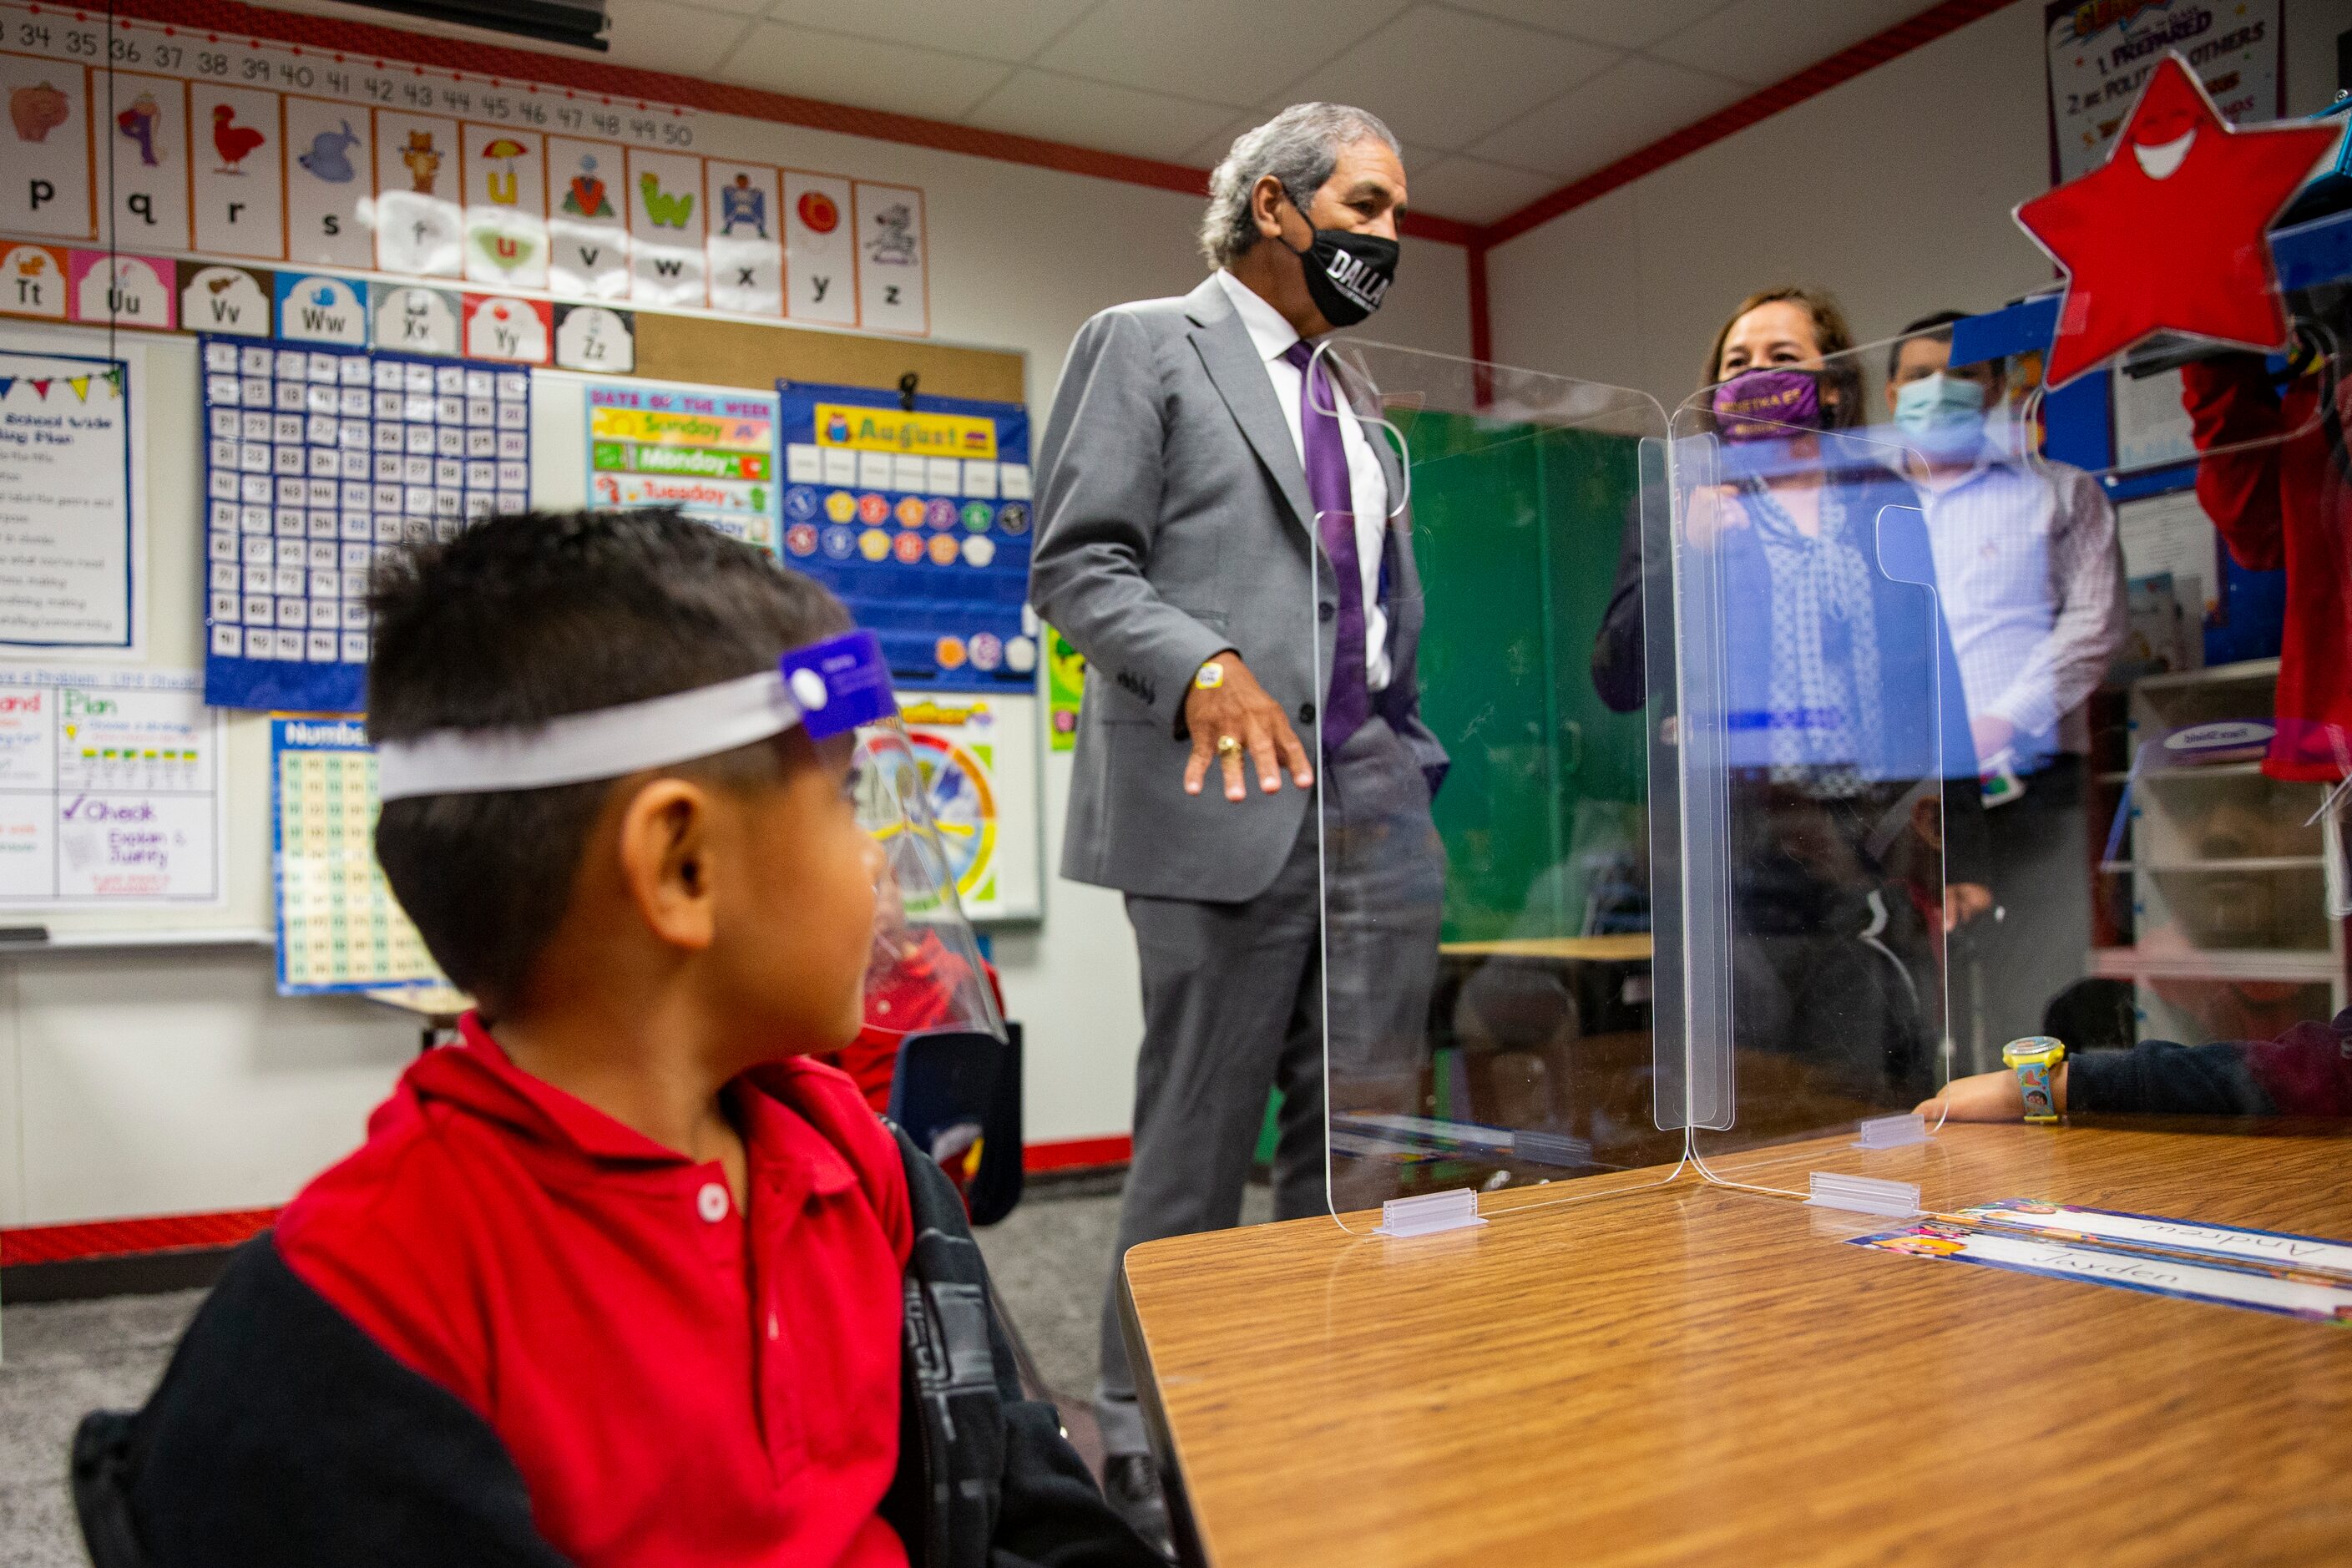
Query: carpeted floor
[[1049, 1260]]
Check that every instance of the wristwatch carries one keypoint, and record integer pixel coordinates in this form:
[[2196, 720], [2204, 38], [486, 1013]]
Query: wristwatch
[[1210, 675], [2034, 1058]]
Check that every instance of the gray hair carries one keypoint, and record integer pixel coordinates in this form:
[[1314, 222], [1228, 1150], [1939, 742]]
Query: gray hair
[[1300, 147]]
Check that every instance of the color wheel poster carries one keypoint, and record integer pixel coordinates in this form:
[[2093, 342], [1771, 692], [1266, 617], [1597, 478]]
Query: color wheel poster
[[709, 452], [979, 757]]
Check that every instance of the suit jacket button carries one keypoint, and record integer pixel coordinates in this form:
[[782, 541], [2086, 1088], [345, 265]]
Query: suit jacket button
[[1326, 612], [1306, 712]]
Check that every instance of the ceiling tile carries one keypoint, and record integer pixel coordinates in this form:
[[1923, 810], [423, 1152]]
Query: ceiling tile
[[653, 35], [739, 8], [1473, 192], [859, 72], [1762, 41], [1625, 108], [1600, 21], [994, 29], [1236, 52], [1095, 114], [1443, 79]]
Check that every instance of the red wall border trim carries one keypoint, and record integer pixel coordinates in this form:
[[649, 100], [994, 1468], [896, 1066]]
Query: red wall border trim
[[1842, 67], [36, 1244], [130, 1237], [1077, 1154]]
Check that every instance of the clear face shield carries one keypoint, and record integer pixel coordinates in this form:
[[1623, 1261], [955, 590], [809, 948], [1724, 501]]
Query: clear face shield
[[926, 974]]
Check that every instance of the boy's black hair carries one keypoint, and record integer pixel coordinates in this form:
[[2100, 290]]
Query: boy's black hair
[[522, 619]]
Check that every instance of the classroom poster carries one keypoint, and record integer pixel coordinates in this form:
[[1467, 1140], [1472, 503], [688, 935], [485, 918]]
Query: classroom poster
[[708, 451], [247, 149], [110, 789], [979, 761], [2098, 56], [339, 927], [920, 519], [318, 460], [1066, 689], [2151, 421], [2172, 534], [68, 535]]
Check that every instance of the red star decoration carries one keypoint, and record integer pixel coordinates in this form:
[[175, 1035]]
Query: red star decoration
[[2170, 232]]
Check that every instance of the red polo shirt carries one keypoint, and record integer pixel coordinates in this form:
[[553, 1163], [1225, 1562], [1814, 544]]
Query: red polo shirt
[[677, 1385]]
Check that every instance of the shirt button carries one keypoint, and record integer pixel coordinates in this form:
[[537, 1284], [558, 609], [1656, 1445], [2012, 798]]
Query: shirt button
[[773, 1332], [711, 1202], [1326, 612]]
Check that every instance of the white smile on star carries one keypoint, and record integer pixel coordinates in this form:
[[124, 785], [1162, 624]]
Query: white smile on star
[[2158, 163]]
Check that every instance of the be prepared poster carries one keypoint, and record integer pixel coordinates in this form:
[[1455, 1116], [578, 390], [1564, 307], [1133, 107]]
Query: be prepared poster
[[2100, 52], [66, 525], [979, 757], [110, 789], [709, 452]]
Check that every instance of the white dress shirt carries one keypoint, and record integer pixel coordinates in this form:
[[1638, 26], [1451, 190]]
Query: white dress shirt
[[1369, 487], [2030, 581]]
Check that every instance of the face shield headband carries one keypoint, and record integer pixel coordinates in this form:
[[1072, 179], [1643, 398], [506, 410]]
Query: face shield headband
[[825, 689]]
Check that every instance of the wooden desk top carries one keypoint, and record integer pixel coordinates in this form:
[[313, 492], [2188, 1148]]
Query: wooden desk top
[[1592, 949], [1689, 1373]]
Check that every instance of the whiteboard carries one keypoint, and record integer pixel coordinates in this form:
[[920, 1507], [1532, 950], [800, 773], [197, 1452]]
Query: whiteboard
[[169, 573]]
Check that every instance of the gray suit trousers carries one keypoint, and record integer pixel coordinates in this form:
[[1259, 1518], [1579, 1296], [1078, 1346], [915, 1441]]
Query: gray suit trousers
[[1234, 1006]]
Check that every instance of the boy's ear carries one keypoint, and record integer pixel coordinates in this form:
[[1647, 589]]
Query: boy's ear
[[666, 843]]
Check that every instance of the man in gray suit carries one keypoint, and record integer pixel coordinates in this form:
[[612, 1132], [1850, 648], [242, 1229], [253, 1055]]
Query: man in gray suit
[[1225, 541]]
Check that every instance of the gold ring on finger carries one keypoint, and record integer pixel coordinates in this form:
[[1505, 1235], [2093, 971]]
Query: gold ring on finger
[[1228, 746]]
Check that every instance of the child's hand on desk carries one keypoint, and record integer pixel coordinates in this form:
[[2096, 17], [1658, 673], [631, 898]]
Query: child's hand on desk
[[1987, 1097]]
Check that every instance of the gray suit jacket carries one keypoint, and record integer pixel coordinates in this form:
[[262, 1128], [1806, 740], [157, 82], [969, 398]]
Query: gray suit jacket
[[1173, 522]]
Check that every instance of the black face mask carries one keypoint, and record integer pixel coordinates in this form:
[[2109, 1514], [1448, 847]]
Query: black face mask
[[1348, 274]]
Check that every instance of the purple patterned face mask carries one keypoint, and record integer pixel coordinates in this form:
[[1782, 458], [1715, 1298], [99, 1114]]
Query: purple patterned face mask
[[1761, 404]]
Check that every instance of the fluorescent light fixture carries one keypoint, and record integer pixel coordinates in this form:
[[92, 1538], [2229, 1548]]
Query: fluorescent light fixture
[[579, 23]]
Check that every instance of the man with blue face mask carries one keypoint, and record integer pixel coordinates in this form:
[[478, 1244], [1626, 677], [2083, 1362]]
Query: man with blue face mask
[[2030, 579]]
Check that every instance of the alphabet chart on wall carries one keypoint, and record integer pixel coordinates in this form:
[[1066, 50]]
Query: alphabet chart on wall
[[317, 461], [241, 150]]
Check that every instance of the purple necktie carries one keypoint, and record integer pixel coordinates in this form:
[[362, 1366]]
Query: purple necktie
[[1349, 701]]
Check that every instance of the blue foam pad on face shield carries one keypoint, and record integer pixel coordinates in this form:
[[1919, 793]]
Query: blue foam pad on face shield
[[839, 684]]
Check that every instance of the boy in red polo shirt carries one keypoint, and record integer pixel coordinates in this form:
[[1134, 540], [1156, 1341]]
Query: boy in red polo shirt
[[622, 1277]]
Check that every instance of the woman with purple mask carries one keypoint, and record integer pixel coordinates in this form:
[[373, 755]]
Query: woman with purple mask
[[1840, 827]]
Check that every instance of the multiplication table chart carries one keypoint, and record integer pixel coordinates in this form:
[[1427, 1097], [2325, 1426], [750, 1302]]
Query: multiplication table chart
[[317, 461], [339, 927]]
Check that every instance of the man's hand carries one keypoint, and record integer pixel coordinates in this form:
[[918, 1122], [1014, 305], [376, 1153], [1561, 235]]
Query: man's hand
[[1964, 902], [1237, 709], [1992, 734]]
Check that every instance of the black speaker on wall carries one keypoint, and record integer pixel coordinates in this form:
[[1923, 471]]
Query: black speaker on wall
[[579, 23]]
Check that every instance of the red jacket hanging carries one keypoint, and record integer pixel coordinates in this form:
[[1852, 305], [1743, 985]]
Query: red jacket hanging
[[2283, 503]]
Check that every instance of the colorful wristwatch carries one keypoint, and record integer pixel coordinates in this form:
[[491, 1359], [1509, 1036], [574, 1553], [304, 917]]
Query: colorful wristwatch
[[1210, 675], [2034, 1058]]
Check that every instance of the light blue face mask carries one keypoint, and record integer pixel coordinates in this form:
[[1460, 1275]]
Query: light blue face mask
[[1946, 411]]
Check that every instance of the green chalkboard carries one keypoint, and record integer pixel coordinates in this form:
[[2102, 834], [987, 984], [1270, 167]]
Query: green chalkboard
[[1517, 529]]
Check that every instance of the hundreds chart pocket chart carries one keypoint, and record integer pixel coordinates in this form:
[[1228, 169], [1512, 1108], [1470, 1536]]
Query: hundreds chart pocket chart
[[317, 462], [920, 519]]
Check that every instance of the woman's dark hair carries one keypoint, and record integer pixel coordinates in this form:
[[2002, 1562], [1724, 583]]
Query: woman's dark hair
[[1841, 375]]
